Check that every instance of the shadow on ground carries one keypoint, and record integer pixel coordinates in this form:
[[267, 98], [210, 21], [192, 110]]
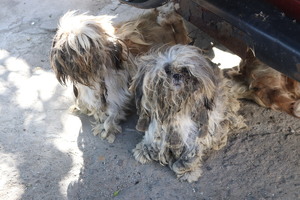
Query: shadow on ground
[[45, 153], [32, 110], [256, 164]]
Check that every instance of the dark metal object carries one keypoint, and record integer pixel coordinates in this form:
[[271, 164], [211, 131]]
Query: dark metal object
[[144, 4], [291, 8], [274, 38]]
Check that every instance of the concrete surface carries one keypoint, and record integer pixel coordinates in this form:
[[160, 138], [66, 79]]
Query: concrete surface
[[47, 153]]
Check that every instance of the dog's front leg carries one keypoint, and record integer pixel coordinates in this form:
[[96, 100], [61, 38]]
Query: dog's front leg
[[144, 152], [143, 121], [188, 166], [107, 124], [152, 147], [100, 118], [112, 125]]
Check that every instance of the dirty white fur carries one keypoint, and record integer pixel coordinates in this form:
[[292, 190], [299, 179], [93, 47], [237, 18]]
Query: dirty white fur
[[98, 60], [118, 98], [77, 29], [182, 118], [86, 51], [165, 11]]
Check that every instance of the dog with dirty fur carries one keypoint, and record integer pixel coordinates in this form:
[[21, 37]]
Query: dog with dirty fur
[[269, 88], [185, 109], [97, 58]]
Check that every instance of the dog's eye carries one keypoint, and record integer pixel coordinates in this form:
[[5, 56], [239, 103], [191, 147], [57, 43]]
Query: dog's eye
[[167, 69], [184, 70]]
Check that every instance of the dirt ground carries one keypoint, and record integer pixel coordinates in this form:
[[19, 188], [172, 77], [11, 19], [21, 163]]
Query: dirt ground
[[47, 153]]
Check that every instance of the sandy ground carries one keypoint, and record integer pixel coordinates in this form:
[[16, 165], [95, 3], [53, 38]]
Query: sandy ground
[[47, 153]]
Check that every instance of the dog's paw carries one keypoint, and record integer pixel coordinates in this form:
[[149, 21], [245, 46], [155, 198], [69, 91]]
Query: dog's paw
[[166, 14], [109, 135], [100, 116], [190, 176], [98, 129], [141, 153], [110, 138], [187, 171], [166, 9], [179, 167]]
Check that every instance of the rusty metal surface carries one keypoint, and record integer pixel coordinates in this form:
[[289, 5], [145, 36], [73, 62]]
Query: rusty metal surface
[[273, 38], [214, 26]]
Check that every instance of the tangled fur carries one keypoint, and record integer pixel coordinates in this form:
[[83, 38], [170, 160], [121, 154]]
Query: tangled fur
[[184, 107], [267, 87], [98, 59], [162, 26]]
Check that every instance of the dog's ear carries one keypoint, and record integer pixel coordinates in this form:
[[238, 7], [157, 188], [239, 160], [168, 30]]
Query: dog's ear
[[137, 89], [57, 64]]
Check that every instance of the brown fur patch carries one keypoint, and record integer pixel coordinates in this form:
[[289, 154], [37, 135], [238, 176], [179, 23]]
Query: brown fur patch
[[266, 86]]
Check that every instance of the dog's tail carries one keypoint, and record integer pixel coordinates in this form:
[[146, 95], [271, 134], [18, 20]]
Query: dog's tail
[[83, 46]]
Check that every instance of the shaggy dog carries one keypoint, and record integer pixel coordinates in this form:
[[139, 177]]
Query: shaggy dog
[[184, 107], [97, 58], [267, 87]]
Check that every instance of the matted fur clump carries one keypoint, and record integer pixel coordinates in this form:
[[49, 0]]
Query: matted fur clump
[[185, 108], [97, 59], [86, 52], [267, 87], [161, 26]]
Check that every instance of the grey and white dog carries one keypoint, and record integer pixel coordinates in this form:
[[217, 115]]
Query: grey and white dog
[[185, 108]]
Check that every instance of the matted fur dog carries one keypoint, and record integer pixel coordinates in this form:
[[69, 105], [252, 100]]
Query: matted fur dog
[[97, 58], [184, 107], [267, 87]]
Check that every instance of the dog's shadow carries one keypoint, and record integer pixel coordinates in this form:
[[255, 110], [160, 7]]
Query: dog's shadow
[[110, 169], [242, 169]]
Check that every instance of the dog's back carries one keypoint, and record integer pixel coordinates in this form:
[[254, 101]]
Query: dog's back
[[152, 30]]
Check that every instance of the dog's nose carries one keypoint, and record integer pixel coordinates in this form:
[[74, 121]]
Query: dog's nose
[[176, 76]]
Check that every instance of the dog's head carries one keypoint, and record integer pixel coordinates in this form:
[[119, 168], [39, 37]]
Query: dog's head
[[175, 77], [179, 78], [84, 48]]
